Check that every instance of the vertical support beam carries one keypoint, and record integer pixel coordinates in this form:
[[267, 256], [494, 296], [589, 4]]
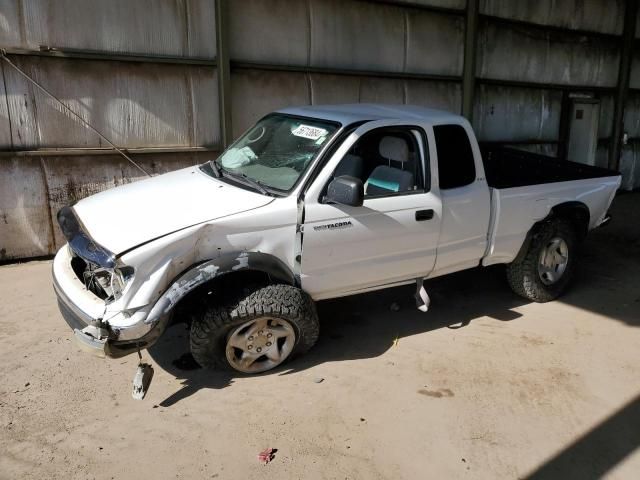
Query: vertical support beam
[[565, 124], [622, 90], [224, 72], [469, 72]]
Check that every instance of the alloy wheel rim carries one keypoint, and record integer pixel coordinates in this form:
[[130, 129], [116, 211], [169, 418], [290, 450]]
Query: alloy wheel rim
[[260, 344], [553, 261]]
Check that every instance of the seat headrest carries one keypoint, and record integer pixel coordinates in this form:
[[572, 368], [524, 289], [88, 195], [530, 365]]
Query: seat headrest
[[394, 148]]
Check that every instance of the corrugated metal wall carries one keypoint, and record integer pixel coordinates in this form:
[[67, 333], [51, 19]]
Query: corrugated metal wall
[[165, 104], [325, 41], [145, 73]]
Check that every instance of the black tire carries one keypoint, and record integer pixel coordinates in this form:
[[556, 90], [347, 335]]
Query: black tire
[[211, 329], [524, 275]]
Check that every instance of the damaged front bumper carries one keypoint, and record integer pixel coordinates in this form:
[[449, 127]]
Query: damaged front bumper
[[95, 330], [79, 321]]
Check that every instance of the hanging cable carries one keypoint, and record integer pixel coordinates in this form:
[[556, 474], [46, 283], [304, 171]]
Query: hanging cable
[[3, 54]]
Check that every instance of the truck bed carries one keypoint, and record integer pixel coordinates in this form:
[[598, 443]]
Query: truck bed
[[509, 168], [526, 186]]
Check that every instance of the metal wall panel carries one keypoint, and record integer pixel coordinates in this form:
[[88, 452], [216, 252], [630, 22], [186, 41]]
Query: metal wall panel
[[630, 167], [434, 43], [634, 80], [200, 36], [5, 125], [25, 226], [516, 114], [256, 93], [9, 23], [632, 116], [350, 35], [452, 4], [161, 27], [269, 31], [381, 90], [331, 89], [202, 92], [70, 179], [605, 16], [605, 122], [357, 35], [527, 54], [441, 95], [602, 156], [133, 104], [33, 189]]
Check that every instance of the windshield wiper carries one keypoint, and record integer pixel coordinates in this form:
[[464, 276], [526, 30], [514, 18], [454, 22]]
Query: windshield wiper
[[216, 168], [243, 178]]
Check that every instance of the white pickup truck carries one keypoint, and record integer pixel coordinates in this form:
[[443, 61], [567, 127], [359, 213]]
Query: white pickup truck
[[313, 203]]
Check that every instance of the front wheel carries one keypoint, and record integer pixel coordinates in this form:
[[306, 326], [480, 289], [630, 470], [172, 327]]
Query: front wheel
[[256, 332], [546, 268]]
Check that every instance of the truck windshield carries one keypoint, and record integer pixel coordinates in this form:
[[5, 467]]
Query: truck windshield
[[276, 151]]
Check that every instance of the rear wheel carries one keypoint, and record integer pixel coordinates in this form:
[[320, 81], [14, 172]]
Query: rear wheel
[[256, 332], [545, 270]]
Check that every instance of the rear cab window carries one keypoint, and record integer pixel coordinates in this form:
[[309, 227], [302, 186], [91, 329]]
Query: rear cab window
[[456, 165]]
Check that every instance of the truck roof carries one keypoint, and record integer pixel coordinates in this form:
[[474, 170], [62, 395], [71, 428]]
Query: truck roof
[[356, 112]]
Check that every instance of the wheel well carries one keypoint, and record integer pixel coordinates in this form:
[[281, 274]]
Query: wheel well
[[576, 213], [224, 273], [218, 289]]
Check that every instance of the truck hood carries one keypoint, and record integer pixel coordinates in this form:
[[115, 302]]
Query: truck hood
[[124, 217]]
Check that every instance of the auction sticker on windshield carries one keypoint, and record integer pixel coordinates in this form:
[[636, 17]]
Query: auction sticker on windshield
[[312, 133]]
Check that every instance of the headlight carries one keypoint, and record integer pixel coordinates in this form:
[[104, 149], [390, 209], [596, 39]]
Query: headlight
[[108, 284], [119, 279]]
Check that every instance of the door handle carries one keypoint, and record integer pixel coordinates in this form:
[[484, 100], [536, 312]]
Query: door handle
[[422, 215]]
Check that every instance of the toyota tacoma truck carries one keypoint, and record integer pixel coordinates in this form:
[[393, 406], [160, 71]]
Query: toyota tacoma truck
[[312, 203]]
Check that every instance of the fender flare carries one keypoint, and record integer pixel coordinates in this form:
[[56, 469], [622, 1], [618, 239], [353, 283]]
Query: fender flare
[[577, 213], [207, 271], [561, 209]]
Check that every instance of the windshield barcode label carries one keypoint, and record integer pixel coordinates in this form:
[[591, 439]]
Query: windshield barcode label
[[312, 133]]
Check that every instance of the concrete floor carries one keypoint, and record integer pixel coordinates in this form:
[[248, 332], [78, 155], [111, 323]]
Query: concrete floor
[[486, 385]]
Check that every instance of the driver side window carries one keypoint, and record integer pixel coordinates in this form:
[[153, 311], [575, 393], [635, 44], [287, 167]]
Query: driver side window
[[387, 161]]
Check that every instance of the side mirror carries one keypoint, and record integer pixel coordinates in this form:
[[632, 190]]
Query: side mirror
[[345, 190]]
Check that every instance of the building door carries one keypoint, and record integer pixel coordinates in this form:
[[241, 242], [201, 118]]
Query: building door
[[583, 130]]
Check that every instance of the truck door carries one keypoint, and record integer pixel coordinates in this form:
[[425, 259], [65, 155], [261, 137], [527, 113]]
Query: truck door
[[390, 238], [465, 200]]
